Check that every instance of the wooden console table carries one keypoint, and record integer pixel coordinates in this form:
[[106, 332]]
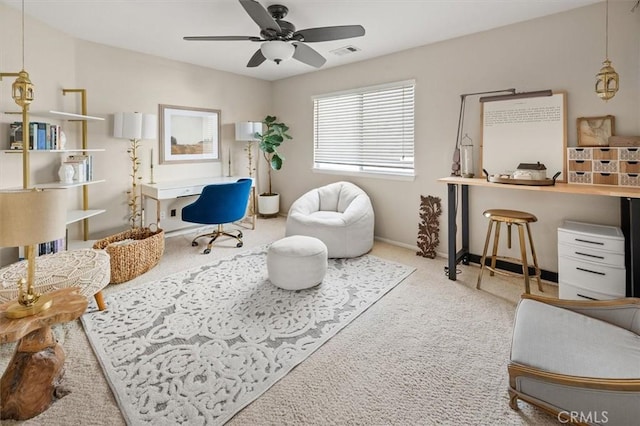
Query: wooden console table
[[629, 219], [32, 379]]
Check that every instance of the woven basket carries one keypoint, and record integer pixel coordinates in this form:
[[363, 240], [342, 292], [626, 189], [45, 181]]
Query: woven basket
[[135, 258]]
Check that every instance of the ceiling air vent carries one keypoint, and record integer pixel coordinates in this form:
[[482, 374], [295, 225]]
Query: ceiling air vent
[[346, 50]]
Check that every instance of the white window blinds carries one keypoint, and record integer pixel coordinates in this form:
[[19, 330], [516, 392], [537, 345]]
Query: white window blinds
[[369, 129]]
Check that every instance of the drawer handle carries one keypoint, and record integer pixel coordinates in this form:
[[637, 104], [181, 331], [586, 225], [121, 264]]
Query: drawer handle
[[585, 297], [589, 255], [590, 242], [592, 272]]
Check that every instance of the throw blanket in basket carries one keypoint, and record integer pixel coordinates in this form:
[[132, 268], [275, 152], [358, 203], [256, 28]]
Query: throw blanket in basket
[[132, 252]]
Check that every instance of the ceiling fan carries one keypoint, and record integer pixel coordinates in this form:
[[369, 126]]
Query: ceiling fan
[[280, 40]]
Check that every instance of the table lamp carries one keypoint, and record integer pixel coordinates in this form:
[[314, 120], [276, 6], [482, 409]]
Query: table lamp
[[246, 132], [29, 217]]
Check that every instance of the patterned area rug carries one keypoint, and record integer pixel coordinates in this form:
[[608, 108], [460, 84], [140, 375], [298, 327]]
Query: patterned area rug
[[197, 346]]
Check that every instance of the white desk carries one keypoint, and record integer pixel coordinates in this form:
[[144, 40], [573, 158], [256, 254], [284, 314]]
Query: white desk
[[162, 191]]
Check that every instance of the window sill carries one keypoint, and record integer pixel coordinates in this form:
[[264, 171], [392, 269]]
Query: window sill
[[375, 175]]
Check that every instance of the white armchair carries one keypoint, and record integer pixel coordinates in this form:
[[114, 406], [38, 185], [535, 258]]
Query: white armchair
[[579, 360], [339, 214]]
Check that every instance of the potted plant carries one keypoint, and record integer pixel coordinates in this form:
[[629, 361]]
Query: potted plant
[[275, 133]]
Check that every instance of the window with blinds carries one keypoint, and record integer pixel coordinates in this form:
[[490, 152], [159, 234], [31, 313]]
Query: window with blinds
[[368, 130]]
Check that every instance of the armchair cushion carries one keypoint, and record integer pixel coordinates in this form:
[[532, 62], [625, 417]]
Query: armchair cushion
[[577, 358], [566, 342]]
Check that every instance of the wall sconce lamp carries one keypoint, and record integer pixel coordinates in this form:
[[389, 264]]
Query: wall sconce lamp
[[135, 126], [607, 80]]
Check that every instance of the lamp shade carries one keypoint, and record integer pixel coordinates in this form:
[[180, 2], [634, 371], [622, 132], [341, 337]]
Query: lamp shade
[[246, 130], [277, 50], [32, 216], [134, 125]]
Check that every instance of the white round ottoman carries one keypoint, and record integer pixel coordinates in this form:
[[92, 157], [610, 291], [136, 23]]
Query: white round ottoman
[[297, 262]]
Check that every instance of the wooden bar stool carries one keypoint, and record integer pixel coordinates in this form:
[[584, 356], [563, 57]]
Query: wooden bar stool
[[521, 220]]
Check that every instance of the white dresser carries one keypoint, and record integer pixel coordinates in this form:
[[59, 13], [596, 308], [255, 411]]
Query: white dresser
[[590, 261]]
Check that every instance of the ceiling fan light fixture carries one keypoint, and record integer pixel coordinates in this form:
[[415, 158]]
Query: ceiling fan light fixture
[[277, 50]]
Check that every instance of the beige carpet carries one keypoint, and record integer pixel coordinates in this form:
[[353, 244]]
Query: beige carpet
[[431, 351]]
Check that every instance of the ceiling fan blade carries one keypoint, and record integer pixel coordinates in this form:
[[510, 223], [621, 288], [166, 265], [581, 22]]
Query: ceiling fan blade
[[221, 38], [256, 59], [311, 35], [260, 15], [307, 55]]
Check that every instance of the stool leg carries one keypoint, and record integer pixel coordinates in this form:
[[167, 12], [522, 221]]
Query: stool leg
[[100, 301], [523, 254], [484, 254], [496, 240], [535, 258]]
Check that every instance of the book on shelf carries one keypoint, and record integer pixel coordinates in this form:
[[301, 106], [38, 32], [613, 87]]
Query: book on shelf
[[82, 166], [15, 135], [45, 248], [42, 136]]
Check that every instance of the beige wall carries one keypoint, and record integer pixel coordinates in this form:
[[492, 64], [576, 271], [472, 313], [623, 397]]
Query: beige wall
[[560, 52], [117, 80]]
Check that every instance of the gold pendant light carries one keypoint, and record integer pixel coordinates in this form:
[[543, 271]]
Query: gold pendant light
[[607, 80]]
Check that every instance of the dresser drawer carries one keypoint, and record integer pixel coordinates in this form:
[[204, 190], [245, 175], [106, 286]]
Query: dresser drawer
[[592, 276], [605, 154], [599, 237], [605, 178], [580, 165], [574, 292], [591, 254], [629, 166], [629, 153], [580, 153], [580, 177]]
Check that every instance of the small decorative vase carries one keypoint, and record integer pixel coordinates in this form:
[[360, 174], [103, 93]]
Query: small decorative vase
[[65, 173], [62, 140]]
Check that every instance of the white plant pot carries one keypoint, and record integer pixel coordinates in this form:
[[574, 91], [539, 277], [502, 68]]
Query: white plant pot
[[268, 204]]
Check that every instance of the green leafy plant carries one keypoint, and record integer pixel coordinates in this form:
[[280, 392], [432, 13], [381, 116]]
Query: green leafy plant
[[269, 141]]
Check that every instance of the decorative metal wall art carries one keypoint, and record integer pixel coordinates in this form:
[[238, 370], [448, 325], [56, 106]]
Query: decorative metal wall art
[[429, 226]]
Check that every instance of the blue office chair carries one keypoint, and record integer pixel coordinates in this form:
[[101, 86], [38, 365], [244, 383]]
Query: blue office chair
[[219, 204]]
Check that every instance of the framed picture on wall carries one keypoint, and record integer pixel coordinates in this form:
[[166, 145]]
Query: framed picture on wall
[[188, 134], [595, 131]]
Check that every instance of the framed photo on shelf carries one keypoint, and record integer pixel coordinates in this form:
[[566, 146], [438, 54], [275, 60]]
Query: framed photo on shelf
[[188, 135], [595, 131]]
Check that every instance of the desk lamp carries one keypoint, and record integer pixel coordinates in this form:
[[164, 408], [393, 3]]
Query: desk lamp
[[29, 217]]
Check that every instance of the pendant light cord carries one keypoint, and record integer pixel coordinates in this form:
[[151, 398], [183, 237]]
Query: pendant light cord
[[23, 34], [606, 33]]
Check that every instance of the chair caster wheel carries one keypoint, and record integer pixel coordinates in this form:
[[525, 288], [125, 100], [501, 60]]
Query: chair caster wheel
[[240, 234], [194, 244], [240, 244], [206, 251]]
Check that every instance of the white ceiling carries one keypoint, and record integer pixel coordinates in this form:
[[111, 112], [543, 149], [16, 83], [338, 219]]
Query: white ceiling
[[156, 27]]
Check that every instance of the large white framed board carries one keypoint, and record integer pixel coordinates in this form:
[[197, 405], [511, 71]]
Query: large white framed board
[[525, 130]]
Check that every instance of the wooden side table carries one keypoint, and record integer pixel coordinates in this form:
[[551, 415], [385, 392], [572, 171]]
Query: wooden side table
[[33, 377]]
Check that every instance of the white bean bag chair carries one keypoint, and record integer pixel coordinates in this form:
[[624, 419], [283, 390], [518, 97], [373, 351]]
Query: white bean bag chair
[[339, 214]]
